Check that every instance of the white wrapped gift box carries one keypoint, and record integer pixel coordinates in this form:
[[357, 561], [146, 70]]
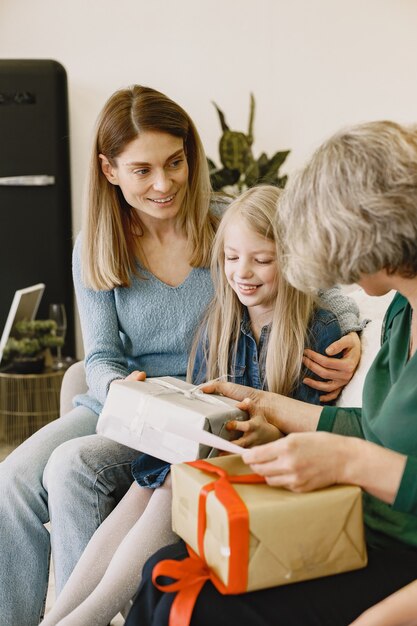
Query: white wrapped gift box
[[158, 415]]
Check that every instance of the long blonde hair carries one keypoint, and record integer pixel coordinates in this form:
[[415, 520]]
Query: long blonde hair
[[292, 310], [110, 225]]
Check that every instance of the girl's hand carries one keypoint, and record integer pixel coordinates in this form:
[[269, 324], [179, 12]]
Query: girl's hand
[[256, 429], [336, 372], [301, 461]]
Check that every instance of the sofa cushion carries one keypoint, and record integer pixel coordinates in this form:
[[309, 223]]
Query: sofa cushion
[[371, 308]]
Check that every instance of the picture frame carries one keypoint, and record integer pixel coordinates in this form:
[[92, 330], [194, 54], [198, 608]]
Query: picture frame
[[24, 306]]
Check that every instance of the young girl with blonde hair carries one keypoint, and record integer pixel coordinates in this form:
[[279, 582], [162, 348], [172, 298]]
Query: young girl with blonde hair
[[258, 322]]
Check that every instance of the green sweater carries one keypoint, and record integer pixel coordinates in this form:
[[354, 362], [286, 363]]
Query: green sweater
[[389, 418]]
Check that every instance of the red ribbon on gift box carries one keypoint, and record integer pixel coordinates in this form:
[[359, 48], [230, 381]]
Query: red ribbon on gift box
[[193, 572]]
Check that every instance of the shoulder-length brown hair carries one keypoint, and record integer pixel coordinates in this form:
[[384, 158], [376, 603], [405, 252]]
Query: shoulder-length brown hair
[[109, 240]]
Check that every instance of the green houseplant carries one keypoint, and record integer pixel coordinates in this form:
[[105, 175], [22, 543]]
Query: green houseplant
[[28, 347], [240, 170]]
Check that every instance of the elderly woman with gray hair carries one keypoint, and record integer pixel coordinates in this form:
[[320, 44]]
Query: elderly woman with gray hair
[[349, 216]]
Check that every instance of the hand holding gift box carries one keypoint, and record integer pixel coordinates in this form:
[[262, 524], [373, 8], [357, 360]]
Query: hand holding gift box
[[250, 536], [166, 417]]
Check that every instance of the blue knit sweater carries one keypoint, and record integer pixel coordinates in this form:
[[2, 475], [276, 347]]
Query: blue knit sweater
[[148, 326]]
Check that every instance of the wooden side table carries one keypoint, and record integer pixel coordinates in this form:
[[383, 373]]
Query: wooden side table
[[27, 402]]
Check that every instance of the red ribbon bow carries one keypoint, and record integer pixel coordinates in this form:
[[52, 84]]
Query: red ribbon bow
[[193, 572]]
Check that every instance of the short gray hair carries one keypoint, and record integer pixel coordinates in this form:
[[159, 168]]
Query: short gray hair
[[352, 210]]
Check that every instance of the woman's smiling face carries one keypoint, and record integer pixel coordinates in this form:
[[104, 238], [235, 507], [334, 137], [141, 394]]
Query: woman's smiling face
[[152, 173]]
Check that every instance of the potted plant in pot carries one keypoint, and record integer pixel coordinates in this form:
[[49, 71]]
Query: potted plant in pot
[[239, 168], [27, 350]]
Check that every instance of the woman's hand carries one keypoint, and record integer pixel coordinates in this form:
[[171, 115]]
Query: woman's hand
[[306, 461], [256, 430], [302, 461], [286, 414], [262, 403], [336, 372], [136, 375], [232, 390]]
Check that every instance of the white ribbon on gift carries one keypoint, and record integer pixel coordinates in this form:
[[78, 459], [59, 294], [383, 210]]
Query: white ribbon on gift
[[194, 393]]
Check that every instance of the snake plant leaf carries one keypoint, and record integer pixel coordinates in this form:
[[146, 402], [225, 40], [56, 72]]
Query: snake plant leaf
[[238, 164], [251, 119], [221, 118], [211, 165], [273, 166], [263, 164], [224, 178], [252, 174], [282, 181], [235, 152]]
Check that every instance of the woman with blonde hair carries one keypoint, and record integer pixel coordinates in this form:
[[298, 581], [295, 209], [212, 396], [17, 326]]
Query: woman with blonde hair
[[358, 195], [142, 281], [114, 236]]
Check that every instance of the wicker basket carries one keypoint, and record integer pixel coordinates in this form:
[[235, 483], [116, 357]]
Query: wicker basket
[[27, 402]]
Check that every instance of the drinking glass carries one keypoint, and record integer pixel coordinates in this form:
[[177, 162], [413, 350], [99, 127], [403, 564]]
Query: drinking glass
[[58, 314]]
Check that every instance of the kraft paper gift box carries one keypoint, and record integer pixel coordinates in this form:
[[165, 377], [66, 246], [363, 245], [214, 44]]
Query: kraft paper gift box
[[292, 536], [157, 416]]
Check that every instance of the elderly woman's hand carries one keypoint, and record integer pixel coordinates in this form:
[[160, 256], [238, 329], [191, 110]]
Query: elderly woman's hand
[[286, 414], [256, 402], [306, 461], [231, 390], [301, 461], [336, 372]]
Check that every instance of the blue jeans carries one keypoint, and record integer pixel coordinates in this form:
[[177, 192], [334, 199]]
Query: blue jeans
[[66, 474]]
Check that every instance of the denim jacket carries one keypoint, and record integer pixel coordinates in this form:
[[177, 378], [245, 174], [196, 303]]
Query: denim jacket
[[249, 366]]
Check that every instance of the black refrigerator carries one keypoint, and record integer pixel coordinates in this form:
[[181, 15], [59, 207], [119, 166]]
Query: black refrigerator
[[35, 197]]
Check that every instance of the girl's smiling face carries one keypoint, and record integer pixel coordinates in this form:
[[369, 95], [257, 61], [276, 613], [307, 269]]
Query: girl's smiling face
[[152, 173], [250, 265]]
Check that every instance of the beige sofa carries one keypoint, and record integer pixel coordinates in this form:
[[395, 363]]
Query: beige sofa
[[73, 383]]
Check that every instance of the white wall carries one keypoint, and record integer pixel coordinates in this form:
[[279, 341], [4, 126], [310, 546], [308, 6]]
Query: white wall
[[313, 65]]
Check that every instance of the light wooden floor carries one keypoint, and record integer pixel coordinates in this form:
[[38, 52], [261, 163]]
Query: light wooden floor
[[50, 598]]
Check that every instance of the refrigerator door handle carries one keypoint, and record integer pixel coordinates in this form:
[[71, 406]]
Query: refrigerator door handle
[[41, 180]]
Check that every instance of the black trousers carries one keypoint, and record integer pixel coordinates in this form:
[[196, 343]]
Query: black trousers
[[330, 601]]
